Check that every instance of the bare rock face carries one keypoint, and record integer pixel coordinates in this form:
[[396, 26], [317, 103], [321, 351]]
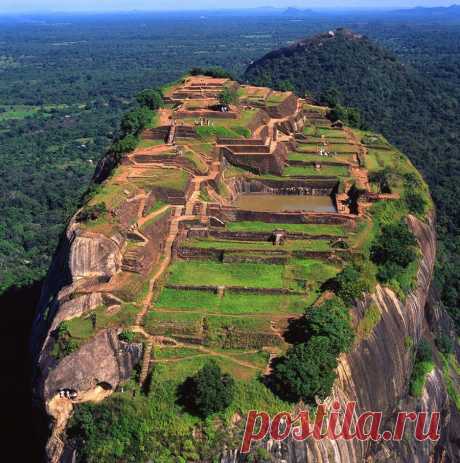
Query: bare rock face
[[104, 361], [99, 366]]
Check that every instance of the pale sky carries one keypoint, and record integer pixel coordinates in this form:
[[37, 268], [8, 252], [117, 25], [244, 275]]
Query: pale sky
[[127, 5]]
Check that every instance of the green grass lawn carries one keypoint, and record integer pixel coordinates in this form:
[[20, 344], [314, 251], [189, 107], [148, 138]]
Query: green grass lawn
[[150, 143], [233, 303], [290, 245], [244, 118], [309, 130], [171, 179], [341, 148], [216, 274], [313, 157], [200, 166], [325, 171], [82, 328], [175, 323], [312, 270], [311, 229], [377, 160], [276, 98], [333, 133]]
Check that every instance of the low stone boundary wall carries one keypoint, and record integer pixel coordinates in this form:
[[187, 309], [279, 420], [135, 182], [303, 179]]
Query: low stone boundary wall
[[207, 114], [294, 186], [240, 141], [247, 258], [257, 255], [158, 133], [320, 161], [264, 236], [238, 289], [184, 131], [149, 158], [232, 214], [242, 148], [257, 163]]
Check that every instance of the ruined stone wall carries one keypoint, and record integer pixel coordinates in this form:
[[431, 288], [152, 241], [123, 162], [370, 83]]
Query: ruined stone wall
[[260, 119], [307, 187], [231, 214], [207, 114], [284, 109]]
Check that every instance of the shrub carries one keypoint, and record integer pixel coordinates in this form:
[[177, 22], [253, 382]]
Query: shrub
[[331, 320], [423, 365], [135, 120], [227, 97], [93, 212], [306, 371], [415, 201], [151, 98], [286, 86], [209, 391], [393, 250], [350, 116], [445, 344], [125, 144], [350, 284], [371, 318], [127, 336], [424, 352], [64, 345]]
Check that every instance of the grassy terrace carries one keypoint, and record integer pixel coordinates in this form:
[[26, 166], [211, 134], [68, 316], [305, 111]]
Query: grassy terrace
[[216, 274], [243, 119], [331, 147], [169, 323], [82, 328], [304, 275], [311, 171], [294, 245], [276, 98], [232, 303], [332, 230], [169, 179], [293, 275], [311, 157], [149, 143]]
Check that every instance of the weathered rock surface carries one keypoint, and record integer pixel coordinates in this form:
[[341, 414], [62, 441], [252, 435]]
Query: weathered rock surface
[[100, 365]]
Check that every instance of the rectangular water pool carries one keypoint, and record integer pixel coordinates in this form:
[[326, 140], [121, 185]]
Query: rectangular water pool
[[284, 203]]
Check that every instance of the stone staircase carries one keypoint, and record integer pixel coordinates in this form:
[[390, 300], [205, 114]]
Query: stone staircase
[[146, 361], [132, 260], [171, 135]]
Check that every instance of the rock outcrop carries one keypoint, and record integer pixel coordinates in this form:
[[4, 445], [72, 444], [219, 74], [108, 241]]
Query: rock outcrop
[[99, 366]]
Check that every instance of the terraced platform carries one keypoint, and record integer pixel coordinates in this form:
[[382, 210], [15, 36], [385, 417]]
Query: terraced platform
[[231, 226]]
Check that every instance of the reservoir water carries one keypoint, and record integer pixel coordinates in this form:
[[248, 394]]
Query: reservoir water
[[284, 203]]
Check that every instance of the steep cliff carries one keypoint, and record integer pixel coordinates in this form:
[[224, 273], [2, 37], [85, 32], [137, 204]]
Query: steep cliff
[[98, 367], [163, 269]]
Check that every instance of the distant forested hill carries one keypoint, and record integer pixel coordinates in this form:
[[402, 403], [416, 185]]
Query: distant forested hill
[[412, 109]]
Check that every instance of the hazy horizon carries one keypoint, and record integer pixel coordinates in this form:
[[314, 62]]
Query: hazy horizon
[[25, 6]]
